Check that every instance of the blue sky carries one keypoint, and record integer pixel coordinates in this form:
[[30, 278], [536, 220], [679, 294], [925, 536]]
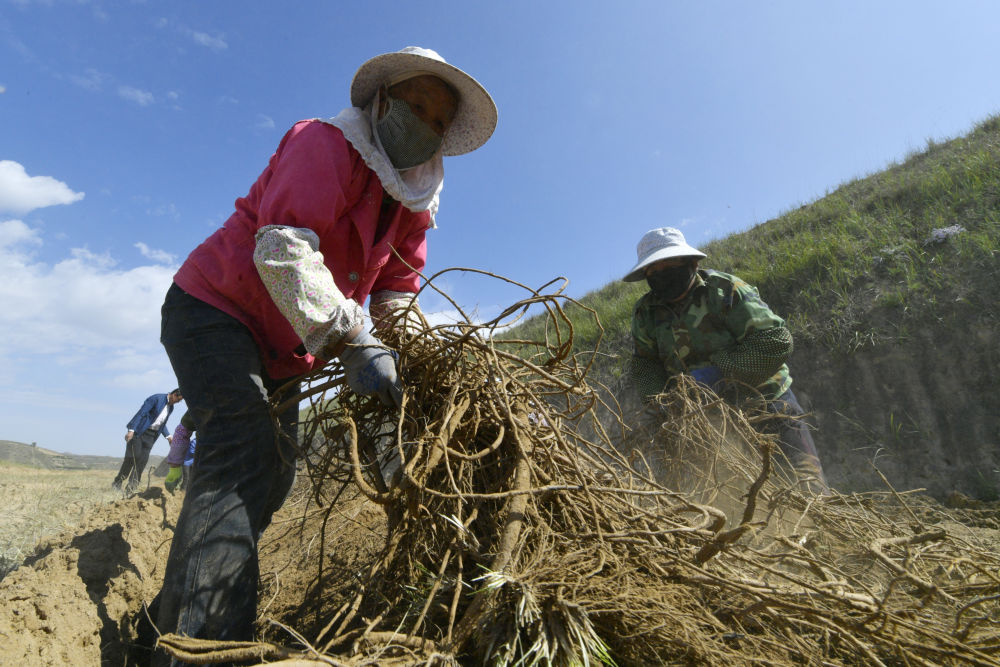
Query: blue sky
[[128, 129]]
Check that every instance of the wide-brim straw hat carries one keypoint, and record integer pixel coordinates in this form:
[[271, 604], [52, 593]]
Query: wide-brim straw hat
[[657, 244], [476, 117]]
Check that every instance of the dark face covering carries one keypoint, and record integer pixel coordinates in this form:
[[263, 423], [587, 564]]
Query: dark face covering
[[407, 140], [671, 283]]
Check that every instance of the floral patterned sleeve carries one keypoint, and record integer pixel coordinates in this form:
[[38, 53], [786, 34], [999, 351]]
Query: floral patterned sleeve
[[291, 266]]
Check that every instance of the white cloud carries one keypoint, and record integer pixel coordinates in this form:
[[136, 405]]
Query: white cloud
[[264, 122], [78, 335], [141, 97], [439, 310], [444, 317], [168, 210], [13, 232], [216, 42], [158, 256], [3, 89], [91, 79], [103, 261], [84, 304], [34, 397], [204, 39], [20, 193], [174, 99]]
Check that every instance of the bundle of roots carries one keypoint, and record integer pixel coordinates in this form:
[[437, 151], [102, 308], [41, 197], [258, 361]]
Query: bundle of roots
[[529, 522]]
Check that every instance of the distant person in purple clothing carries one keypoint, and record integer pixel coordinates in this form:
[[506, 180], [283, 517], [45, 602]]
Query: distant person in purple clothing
[[148, 423], [181, 456]]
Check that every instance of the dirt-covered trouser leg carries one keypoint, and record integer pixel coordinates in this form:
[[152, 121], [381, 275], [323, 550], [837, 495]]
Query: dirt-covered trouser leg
[[241, 475], [796, 440]]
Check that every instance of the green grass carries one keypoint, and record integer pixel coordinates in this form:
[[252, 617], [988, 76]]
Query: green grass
[[854, 268]]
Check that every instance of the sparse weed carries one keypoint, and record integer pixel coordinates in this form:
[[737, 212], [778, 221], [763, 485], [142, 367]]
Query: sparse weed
[[38, 503]]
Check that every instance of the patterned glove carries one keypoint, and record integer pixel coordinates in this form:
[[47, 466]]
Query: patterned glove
[[370, 369], [173, 478], [647, 375], [710, 376]]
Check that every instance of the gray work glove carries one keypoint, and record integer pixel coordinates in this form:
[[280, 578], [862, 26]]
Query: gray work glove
[[370, 369]]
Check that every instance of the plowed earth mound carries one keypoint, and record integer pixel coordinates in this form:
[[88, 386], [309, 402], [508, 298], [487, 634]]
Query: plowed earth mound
[[70, 602], [78, 599]]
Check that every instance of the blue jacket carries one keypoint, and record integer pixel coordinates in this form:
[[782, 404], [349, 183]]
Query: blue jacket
[[148, 413], [189, 457]]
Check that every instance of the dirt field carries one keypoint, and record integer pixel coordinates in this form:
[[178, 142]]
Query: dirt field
[[77, 595], [68, 603], [35, 503]]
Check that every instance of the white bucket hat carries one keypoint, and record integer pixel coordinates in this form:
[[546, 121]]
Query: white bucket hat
[[657, 244], [476, 117]]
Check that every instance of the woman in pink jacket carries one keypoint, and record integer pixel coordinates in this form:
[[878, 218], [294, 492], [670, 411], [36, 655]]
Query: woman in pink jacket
[[339, 213]]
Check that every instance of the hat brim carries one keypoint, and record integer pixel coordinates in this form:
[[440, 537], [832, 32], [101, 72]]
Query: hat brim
[[638, 271], [476, 117]]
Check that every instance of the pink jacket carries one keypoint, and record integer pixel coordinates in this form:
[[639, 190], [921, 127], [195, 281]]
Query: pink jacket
[[314, 180]]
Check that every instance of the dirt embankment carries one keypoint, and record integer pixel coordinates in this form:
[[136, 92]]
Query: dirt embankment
[[69, 603], [926, 410], [78, 599]]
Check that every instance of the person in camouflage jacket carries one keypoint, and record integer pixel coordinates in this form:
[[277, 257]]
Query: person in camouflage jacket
[[715, 327]]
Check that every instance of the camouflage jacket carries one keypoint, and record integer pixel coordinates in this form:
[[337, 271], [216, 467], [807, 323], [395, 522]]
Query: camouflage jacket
[[721, 322]]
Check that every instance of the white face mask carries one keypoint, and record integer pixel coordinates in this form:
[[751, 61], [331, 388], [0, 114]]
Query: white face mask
[[407, 140]]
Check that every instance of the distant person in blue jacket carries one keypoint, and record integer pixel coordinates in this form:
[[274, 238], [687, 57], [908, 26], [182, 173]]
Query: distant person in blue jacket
[[148, 423]]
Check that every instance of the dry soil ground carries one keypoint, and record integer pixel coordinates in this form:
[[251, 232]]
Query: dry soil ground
[[36, 502], [77, 594]]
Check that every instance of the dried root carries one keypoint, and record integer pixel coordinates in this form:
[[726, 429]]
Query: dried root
[[529, 523]]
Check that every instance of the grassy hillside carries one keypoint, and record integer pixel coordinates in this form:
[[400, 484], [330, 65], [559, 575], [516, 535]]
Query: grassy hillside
[[38, 457], [883, 255], [862, 266], [889, 285]]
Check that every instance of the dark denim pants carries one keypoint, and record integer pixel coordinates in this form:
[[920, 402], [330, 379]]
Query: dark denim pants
[[242, 473], [796, 441], [136, 457]]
